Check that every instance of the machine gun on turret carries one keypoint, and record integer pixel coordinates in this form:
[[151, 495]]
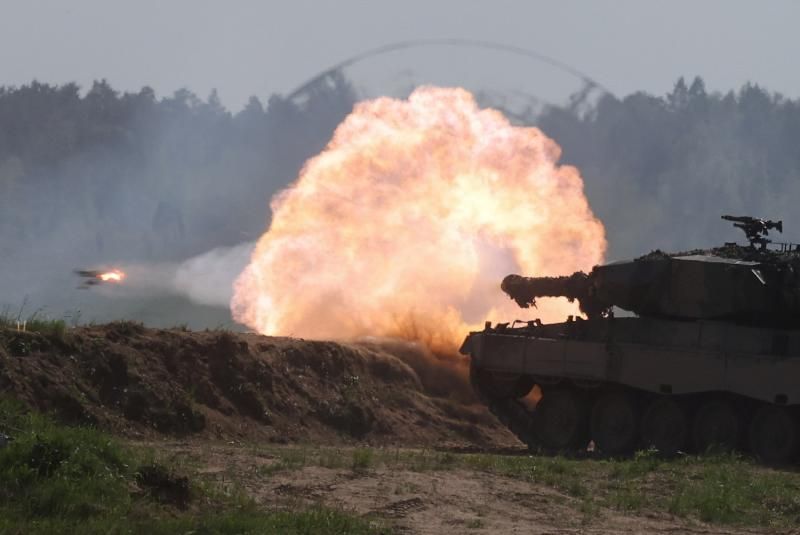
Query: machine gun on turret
[[755, 229]]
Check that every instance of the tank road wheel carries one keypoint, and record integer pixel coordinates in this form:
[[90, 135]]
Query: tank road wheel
[[560, 420], [614, 420], [716, 425], [664, 426], [773, 435]]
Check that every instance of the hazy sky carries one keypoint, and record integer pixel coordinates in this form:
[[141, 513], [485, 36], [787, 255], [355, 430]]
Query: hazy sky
[[261, 47]]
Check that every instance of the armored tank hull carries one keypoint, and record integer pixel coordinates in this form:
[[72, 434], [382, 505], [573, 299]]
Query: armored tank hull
[[711, 358], [638, 382]]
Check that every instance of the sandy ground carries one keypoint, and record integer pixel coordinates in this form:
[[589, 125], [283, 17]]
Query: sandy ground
[[421, 502]]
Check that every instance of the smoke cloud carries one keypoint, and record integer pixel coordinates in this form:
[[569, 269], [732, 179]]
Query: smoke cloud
[[407, 221], [207, 279]]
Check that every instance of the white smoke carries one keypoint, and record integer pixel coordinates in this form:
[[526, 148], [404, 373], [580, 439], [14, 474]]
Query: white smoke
[[205, 279]]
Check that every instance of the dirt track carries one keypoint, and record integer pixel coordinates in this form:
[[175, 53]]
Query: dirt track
[[418, 500]]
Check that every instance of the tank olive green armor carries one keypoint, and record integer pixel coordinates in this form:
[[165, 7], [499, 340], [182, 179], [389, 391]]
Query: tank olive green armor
[[708, 355]]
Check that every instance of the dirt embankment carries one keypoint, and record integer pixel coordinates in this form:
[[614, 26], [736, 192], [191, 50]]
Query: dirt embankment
[[145, 382]]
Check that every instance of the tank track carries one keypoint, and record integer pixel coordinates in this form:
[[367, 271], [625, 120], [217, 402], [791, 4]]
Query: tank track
[[652, 422]]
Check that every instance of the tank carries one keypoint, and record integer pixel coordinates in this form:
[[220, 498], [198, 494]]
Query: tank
[[680, 352]]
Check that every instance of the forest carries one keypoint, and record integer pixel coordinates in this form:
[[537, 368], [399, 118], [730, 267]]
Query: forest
[[660, 170], [127, 175], [98, 175]]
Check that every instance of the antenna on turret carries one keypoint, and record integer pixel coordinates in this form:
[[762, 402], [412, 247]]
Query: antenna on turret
[[755, 229]]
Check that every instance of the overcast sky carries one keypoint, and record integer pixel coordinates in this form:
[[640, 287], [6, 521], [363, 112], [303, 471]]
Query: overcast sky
[[262, 47]]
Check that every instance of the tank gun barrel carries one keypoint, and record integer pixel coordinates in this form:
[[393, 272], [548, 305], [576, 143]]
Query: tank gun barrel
[[525, 290]]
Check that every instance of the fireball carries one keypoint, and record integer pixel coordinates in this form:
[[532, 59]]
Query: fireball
[[112, 276], [407, 221]]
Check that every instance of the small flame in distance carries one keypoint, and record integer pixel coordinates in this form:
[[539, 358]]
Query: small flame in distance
[[114, 275], [406, 223]]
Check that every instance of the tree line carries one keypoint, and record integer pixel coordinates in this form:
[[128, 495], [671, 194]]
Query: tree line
[[660, 170], [104, 174], [118, 175]]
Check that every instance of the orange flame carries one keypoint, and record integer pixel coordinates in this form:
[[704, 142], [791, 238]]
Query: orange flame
[[114, 275], [409, 219]]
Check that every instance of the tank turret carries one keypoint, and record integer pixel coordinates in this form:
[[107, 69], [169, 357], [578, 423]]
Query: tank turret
[[750, 284]]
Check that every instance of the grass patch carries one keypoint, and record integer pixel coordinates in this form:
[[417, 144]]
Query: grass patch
[[728, 490], [59, 479], [557, 472], [242, 521], [362, 460], [37, 322]]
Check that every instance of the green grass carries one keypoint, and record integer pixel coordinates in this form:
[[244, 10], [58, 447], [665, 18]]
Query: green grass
[[721, 489], [362, 459], [58, 479], [37, 322], [242, 521], [727, 490]]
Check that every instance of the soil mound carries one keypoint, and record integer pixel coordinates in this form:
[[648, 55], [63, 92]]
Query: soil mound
[[144, 382]]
